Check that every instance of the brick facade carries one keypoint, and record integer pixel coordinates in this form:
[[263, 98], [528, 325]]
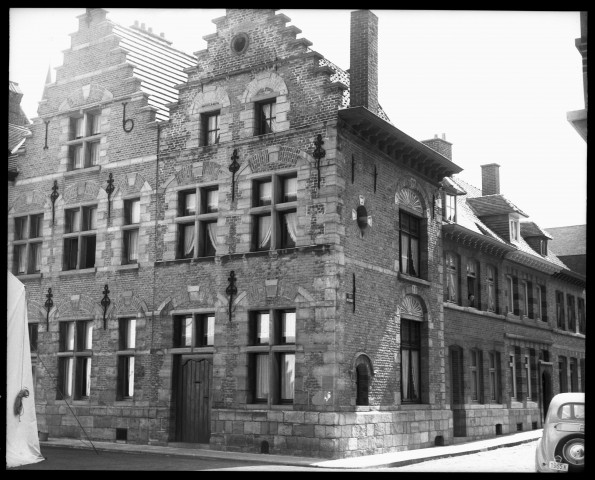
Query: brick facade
[[343, 277]]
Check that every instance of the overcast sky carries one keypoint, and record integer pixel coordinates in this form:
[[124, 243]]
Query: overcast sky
[[498, 84]]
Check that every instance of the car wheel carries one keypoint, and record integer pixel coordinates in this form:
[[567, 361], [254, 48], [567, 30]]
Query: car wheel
[[572, 451]]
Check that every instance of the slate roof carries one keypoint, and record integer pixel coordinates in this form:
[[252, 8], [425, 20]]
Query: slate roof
[[158, 65], [571, 240], [496, 204], [16, 135], [468, 217], [531, 229]]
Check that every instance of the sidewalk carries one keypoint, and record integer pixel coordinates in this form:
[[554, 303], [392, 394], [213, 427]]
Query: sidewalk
[[393, 459]]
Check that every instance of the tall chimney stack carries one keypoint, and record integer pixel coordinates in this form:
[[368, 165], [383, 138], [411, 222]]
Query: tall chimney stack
[[490, 179], [441, 145], [363, 58]]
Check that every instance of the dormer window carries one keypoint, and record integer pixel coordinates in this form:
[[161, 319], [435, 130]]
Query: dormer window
[[514, 229], [450, 207]]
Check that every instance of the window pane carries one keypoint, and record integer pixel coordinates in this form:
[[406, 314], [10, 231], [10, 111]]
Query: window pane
[[264, 193], [188, 240], [290, 189], [93, 153], [264, 232], [262, 377], [187, 325], [36, 226], [262, 328], [67, 386], [130, 379], [89, 218], [189, 204], [131, 333], [76, 125], [20, 228], [133, 211], [212, 201], [69, 340], [131, 239], [93, 121], [287, 376], [76, 156], [20, 259], [288, 327]]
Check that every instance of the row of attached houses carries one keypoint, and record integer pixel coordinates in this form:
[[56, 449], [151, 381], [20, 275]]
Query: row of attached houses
[[238, 248]]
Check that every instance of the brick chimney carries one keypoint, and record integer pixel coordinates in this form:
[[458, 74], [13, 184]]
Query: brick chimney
[[363, 58], [440, 145], [490, 179]]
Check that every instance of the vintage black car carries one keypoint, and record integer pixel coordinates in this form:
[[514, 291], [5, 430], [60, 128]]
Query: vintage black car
[[562, 445]]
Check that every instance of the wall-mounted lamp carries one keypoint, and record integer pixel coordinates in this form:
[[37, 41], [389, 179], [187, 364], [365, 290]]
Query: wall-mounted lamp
[[231, 290], [105, 302], [109, 190], [53, 197], [49, 303], [319, 154], [233, 168]]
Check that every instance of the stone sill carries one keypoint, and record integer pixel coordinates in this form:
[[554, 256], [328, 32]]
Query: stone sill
[[415, 280], [130, 266], [83, 271], [82, 171], [29, 276], [191, 350]]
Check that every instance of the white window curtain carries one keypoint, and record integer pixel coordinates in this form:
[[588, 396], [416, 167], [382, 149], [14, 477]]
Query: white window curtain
[[188, 322], [22, 258], [76, 221], [131, 333], [77, 157], [69, 344], [212, 231], [262, 376], [405, 373], [210, 330], [93, 153], [265, 193], [135, 211], [37, 257], [288, 376], [130, 392], [132, 244], [289, 189], [89, 336], [289, 327], [404, 253], [78, 127], [95, 124], [190, 204], [87, 374], [291, 221], [491, 304], [264, 231], [213, 130], [92, 218], [451, 284], [262, 328], [414, 373], [414, 256], [68, 377], [188, 240], [212, 201]]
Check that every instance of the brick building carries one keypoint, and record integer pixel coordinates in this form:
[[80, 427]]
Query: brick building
[[239, 248]]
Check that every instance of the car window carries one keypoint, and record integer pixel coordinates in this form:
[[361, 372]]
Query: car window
[[571, 411]]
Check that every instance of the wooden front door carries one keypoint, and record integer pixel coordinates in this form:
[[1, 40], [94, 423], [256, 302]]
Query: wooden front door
[[193, 399]]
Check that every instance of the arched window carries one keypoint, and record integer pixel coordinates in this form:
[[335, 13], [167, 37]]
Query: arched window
[[363, 374]]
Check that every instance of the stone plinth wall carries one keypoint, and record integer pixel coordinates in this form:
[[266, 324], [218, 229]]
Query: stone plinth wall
[[328, 435]]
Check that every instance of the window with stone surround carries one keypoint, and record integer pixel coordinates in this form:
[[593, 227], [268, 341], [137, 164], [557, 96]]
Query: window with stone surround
[[197, 221], [473, 285], [274, 212], [271, 356], [563, 373], [476, 373], [27, 244], [126, 359], [266, 116], [570, 303], [451, 292], [211, 130], [528, 309], [194, 330], [410, 361], [409, 243], [491, 281], [582, 326], [74, 359], [84, 139], [80, 232], [363, 378], [560, 318], [450, 207], [130, 231], [533, 375], [495, 377], [512, 293], [573, 375]]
